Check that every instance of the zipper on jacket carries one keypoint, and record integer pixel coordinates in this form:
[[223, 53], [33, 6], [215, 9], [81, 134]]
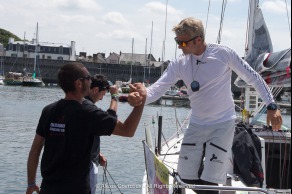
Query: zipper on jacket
[[218, 147]]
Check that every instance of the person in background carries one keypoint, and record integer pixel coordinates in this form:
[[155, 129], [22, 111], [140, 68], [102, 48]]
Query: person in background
[[98, 88], [66, 131], [206, 70]]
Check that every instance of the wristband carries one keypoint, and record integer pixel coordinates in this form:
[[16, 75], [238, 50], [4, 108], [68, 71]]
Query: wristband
[[115, 95], [31, 184]]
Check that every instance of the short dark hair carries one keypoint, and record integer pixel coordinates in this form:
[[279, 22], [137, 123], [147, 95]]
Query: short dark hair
[[68, 74], [100, 81]]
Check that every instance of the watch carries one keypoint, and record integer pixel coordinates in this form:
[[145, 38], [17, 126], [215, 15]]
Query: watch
[[272, 106]]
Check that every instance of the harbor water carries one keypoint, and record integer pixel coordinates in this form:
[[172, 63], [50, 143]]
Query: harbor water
[[20, 109]]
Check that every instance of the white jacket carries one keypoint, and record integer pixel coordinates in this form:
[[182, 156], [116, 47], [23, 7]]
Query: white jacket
[[213, 103]]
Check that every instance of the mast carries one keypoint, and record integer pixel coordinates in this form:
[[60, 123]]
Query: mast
[[253, 4], [132, 58], [150, 51], [163, 47], [35, 51], [145, 60]]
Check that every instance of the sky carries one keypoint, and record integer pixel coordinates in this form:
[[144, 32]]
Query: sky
[[106, 26]]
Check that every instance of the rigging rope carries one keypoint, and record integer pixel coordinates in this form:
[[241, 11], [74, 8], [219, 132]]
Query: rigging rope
[[287, 10], [106, 182], [247, 27], [207, 17], [224, 3]]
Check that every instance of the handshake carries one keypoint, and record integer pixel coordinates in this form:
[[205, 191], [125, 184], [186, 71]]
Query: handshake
[[137, 95]]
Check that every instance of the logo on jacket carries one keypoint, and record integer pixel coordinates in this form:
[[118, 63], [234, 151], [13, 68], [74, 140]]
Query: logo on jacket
[[215, 159]]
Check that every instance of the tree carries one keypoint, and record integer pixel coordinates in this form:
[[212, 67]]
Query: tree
[[5, 35]]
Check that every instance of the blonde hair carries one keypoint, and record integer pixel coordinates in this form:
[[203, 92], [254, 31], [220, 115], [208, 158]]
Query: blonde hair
[[190, 26]]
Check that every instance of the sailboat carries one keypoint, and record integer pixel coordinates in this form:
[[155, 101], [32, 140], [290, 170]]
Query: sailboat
[[161, 160], [125, 88], [1, 72], [31, 79]]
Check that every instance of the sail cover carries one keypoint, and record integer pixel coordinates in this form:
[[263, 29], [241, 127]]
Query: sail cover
[[273, 67]]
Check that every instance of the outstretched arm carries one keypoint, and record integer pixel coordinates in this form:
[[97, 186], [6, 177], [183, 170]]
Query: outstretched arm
[[32, 163]]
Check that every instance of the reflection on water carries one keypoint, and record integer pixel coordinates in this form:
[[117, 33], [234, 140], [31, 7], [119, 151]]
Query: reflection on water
[[20, 108]]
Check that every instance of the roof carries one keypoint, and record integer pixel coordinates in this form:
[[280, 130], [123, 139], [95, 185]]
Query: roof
[[127, 57], [156, 63], [47, 44]]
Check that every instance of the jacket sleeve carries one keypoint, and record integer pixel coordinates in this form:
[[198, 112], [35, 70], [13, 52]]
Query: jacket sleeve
[[168, 78], [250, 76]]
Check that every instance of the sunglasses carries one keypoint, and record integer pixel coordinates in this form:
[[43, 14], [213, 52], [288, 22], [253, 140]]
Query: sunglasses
[[105, 88], [195, 86], [184, 43], [88, 77]]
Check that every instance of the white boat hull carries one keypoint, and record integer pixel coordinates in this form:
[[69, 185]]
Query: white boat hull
[[170, 153]]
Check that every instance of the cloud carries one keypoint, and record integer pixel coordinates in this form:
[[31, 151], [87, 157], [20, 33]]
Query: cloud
[[275, 6], [118, 35], [75, 5], [76, 18], [115, 18], [160, 8]]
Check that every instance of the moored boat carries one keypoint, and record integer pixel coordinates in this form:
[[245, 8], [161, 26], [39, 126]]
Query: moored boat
[[32, 82], [13, 79], [1, 80], [31, 79]]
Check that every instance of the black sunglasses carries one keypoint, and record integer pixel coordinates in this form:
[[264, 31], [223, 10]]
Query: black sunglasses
[[88, 77], [184, 43], [195, 86], [104, 88]]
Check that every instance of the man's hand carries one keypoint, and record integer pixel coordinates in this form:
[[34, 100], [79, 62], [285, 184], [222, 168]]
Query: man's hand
[[32, 189], [274, 118], [102, 159], [135, 99], [139, 87], [113, 90], [138, 94]]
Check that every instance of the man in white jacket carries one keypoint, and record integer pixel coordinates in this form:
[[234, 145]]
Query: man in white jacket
[[206, 70]]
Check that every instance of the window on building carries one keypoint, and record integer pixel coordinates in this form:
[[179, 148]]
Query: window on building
[[60, 50], [10, 46], [60, 58], [24, 55], [43, 56], [13, 55], [49, 57], [38, 48], [113, 61]]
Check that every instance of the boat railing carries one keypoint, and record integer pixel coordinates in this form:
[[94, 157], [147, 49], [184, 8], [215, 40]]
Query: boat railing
[[182, 184]]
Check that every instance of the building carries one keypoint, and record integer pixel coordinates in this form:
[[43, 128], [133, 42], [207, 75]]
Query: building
[[1, 49], [136, 59], [54, 51], [113, 58]]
